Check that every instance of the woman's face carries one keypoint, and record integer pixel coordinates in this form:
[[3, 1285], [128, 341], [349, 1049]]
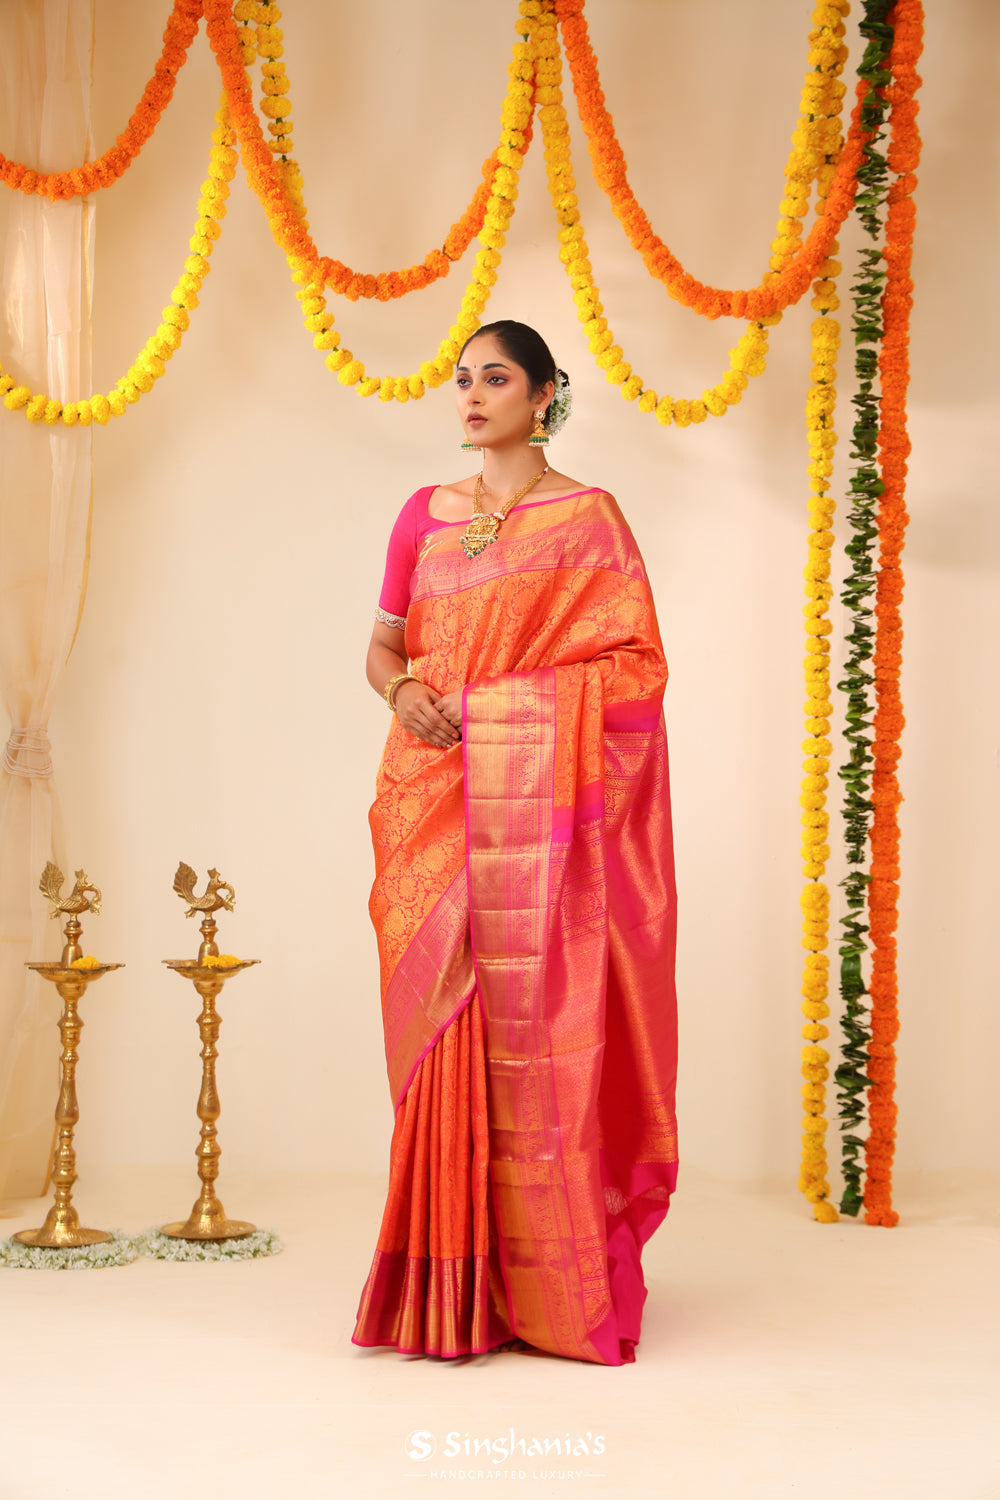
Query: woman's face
[[495, 403]]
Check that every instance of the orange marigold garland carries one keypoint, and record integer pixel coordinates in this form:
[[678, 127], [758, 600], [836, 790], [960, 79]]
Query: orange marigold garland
[[150, 364], [776, 292], [77, 182], [338, 277], [817, 143], [309, 269], [894, 447], [256, 32]]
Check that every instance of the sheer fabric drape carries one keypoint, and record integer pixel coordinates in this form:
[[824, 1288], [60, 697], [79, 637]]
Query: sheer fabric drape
[[46, 477]]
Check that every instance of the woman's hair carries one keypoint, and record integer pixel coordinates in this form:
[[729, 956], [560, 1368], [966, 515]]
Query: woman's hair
[[527, 349]]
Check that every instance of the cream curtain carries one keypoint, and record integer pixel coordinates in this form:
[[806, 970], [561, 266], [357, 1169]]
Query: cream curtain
[[46, 477]]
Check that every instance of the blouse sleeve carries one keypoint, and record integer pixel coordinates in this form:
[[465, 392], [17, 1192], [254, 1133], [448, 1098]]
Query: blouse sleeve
[[401, 559]]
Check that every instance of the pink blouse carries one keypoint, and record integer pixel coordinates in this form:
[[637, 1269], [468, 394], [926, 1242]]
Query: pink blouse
[[413, 524]]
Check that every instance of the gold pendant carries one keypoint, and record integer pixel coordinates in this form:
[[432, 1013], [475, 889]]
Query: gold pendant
[[481, 532]]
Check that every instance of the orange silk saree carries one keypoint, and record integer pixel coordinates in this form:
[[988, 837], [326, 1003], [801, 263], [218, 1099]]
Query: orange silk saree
[[525, 909]]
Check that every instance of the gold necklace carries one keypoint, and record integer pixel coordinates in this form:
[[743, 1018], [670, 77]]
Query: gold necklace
[[483, 528]]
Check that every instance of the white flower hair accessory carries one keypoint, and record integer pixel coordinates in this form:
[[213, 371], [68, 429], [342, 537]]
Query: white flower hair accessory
[[560, 406]]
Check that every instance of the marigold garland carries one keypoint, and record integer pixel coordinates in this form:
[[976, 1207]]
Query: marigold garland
[[852, 1072], [907, 19], [306, 265], [746, 359], [815, 897], [282, 211], [262, 37], [268, 45], [237, 37], [151, 362], [92, 175], [181, 28], [774, 293], [816, 147]]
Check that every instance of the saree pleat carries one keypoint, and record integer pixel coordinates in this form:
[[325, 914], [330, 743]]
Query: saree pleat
[[432, 1289]]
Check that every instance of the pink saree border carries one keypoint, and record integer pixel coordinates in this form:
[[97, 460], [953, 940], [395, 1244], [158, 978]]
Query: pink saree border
[[525, 984], [530, 542], [432, 983], [641, 715]]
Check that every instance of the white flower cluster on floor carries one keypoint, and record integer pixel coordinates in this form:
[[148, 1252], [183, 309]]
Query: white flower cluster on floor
[[123, 1248], [164, 1247], [117, 1251]]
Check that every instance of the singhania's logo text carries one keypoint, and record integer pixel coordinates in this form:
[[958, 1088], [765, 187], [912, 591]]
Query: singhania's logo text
[[419, 1446]]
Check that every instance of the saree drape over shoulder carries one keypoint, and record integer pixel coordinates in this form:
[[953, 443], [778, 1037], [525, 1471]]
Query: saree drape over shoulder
[[525, 909]]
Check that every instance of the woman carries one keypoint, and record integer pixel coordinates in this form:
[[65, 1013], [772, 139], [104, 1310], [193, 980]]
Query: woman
[[524, 898]]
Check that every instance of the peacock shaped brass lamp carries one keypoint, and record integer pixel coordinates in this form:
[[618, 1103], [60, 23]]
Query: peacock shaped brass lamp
[[71, 976], [208, 973]]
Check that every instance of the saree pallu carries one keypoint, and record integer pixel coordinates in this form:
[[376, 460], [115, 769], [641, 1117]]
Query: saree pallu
[[525, 909]]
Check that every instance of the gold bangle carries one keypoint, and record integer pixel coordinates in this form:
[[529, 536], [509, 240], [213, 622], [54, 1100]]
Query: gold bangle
[[394, 684]]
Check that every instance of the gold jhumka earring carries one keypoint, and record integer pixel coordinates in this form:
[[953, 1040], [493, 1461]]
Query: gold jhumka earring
[[539, 437]]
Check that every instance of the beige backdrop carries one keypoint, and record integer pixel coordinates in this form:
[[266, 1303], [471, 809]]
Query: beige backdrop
[[215, 709]]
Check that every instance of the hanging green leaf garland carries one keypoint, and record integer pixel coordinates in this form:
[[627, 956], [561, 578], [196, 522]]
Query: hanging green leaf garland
[[865, 488]]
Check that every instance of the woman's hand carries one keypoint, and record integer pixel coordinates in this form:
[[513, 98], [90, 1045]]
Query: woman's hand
[[421, 711], [450, 704]]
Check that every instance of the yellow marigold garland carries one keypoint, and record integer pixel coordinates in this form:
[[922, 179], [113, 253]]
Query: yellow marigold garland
[[150, 364], [245, 16], [308, 273], [275, 104], [816, 748], [816, 144], [257, 32], [815, 898], [774, 293]]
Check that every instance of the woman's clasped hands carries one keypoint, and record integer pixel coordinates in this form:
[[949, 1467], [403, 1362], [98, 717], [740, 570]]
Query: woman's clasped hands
[[433, 717]]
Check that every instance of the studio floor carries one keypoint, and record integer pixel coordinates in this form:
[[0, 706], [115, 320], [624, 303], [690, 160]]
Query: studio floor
[[779, 1358]]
